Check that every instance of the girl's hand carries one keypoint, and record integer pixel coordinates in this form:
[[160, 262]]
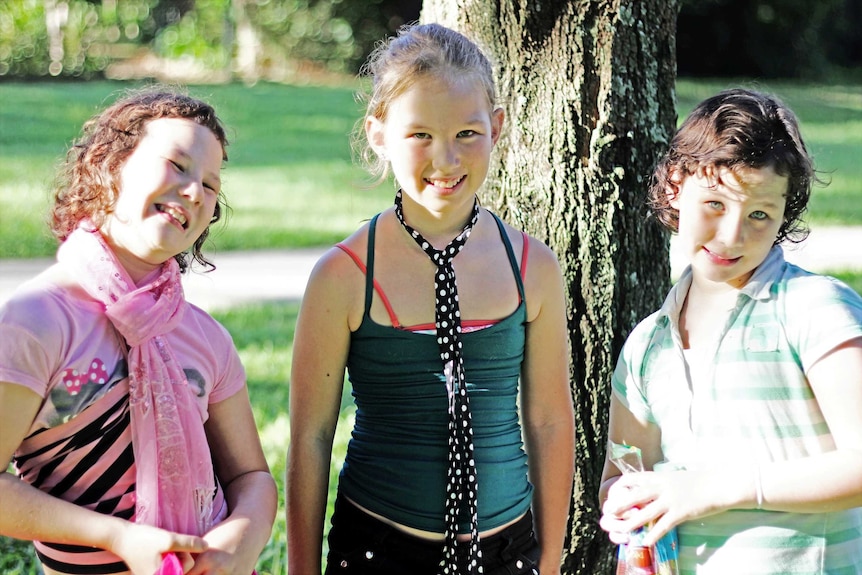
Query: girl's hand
[[663, 500], [142, 547], [228, 551], [218, 562]]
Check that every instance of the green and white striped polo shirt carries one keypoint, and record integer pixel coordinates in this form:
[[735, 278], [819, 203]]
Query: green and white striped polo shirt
[[750, 402]]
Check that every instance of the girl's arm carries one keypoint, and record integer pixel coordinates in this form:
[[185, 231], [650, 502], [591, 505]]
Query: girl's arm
[[625, 428], [28, 513], [831, 481], [252, 497], [320, 347], [547, 404]]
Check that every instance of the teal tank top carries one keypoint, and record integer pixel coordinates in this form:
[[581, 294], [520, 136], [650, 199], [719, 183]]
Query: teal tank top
[[397, 456]]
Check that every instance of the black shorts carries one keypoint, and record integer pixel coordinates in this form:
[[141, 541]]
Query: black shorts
[[360, 544]]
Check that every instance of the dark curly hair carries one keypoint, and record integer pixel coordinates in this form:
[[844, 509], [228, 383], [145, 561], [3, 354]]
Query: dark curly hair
[[87, 186], [738, 129]]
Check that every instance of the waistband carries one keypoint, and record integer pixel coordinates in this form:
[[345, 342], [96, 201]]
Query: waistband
[[514, 537]]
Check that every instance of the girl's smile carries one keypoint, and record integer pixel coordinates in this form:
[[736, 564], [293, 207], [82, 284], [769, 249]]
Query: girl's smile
[[720, 260], [176, 214]]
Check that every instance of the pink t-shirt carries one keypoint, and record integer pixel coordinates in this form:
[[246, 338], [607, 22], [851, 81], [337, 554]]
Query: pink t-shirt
[[58, 342]]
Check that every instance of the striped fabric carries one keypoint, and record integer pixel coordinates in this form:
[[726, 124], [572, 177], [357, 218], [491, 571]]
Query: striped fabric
[[102, 431], [747, 400]]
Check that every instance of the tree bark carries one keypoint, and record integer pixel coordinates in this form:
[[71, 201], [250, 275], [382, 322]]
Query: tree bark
[[588, 90]]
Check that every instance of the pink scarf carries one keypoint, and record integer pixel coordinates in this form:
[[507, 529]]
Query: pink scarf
[[175, 483]]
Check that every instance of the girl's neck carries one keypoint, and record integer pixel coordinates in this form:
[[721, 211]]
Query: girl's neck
[[439, 228], [138, 269]]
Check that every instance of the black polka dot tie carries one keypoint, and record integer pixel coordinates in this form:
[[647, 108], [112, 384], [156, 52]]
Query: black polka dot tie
[[461, 481]]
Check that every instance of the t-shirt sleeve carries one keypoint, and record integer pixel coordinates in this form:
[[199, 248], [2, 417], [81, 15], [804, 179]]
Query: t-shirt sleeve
[[627, 381], [231, 377], [30, 326], [822, 313], [23, 360]]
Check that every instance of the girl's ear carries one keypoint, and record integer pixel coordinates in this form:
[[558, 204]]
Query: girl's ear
[[497, 118], [674, 187], [374, 132]]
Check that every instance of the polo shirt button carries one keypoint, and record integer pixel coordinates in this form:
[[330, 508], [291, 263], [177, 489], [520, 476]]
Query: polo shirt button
[[369, 555], [519, 564], [343, 563]]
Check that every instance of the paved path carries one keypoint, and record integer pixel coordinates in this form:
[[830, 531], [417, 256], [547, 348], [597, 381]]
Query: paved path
[[245, 277], [239, 277]]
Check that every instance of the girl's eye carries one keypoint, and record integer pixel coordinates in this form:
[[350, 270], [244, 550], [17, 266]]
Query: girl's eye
[[422, 136], [715, 204], [759, 215], [466, 133]]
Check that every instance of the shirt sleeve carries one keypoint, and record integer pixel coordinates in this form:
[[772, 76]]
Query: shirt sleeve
[[822, 313], [627, 381], [30, 326], [231, 377], [23, 360]]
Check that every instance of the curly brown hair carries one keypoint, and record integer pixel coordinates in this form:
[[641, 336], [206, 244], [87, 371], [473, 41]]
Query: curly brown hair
[[738, 129], [88, 183]]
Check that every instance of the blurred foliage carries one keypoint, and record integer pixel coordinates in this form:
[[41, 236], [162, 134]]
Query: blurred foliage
[[26, 49], [281, 39], [770, 39], [81, 38]]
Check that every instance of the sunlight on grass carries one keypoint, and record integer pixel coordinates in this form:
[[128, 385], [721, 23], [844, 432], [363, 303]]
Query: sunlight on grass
[[290, 178]]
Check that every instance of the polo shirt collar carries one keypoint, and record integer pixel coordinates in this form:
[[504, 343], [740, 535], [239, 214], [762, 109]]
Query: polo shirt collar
[[758, 287]]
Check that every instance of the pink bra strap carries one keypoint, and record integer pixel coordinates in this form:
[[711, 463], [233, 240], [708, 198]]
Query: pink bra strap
[[392, 317], [525, 252]]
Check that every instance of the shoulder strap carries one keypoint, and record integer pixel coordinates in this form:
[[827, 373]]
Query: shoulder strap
[[511, 253], [370, 280], [369, 263]]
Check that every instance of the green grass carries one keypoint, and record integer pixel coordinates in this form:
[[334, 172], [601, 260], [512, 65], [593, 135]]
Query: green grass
[[264, 336], [290, 179]]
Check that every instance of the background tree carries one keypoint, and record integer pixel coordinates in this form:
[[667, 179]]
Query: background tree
[[588, 90]]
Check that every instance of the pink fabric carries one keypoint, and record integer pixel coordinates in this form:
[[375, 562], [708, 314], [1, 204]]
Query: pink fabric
[[170, 565], [174, 477]]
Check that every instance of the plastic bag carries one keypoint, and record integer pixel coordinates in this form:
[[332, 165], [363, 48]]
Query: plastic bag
[[634, 558]]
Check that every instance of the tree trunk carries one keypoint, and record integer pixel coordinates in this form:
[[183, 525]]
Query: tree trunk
[[587, 86]]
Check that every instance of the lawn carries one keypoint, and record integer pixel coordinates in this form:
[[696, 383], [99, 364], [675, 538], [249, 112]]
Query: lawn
[[291, 183], [290, 179]]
